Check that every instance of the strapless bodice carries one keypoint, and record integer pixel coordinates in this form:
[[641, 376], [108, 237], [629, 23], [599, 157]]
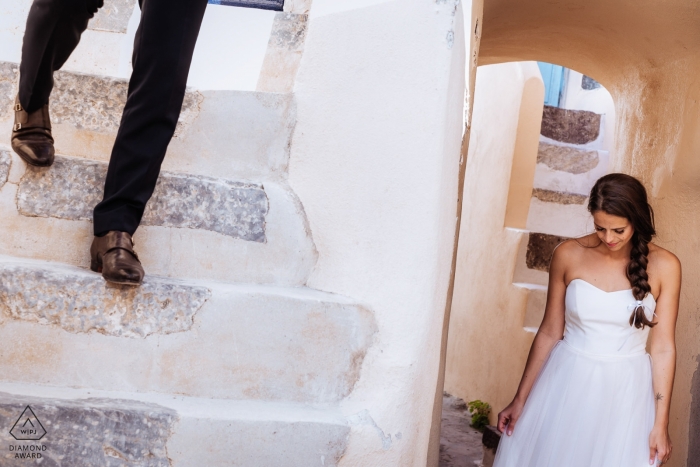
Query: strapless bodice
[[597, 322]]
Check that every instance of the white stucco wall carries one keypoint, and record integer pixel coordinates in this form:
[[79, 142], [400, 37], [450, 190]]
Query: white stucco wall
[[487, 345], [374, 160], [230, 48]]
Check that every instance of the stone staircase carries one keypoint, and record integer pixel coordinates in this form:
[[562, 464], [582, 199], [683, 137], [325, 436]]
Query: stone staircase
[[223, 356], [223, 193], [570, 159]]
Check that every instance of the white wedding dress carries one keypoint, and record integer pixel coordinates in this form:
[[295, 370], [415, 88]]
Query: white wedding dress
[[592, 404]]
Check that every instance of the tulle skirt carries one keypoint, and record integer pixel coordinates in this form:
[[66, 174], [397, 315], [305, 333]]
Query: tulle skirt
[[584, 411]]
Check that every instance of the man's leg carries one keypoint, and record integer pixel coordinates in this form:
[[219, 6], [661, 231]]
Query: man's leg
[[52, 33], [163, 51]]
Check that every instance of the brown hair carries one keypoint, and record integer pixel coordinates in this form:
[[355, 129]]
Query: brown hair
[[624, 196]]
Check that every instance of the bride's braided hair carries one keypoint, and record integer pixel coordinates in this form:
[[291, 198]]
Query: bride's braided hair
[[624, 196]]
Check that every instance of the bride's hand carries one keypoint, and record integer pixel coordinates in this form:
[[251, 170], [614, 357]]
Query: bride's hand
[[659, 445], [509, 417]]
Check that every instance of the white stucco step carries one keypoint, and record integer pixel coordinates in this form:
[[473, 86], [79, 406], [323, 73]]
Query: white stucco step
[[64, 326], [563, 219], [87, 428], [523, 274], [228, 134], [536, 302], [194, 227]]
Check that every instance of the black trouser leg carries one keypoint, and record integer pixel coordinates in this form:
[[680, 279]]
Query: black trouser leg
[[163, 51], [53, 32]]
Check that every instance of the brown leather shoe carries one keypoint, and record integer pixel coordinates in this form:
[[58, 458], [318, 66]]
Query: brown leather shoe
[[113, 255], [31, 136]]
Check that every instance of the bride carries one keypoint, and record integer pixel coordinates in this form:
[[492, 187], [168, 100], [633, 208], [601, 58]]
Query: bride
[[589, 395]]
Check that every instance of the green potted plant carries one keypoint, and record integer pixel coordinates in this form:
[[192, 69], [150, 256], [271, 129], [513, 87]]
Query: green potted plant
[[480, 414]]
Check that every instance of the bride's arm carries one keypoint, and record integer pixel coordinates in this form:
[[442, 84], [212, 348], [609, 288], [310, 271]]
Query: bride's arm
[[550, 332], [662, 348]]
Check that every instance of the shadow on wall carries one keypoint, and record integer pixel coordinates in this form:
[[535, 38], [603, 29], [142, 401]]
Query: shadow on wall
[[530, 168], [486, 341]]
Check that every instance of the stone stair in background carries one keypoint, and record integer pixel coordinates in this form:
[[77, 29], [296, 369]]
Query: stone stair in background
[[569, 161], [222, 356]]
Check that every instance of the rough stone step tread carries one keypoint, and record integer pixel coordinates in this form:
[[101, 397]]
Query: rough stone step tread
[[195, 226], [86, 427], [575, 161], [570, 126], [558, 197], [234, 133], [161, 296], [106, 95], [540, 248], [71, 188], [293, 291]]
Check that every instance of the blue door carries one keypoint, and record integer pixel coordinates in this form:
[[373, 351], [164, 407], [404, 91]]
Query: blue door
[[553, 77]]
